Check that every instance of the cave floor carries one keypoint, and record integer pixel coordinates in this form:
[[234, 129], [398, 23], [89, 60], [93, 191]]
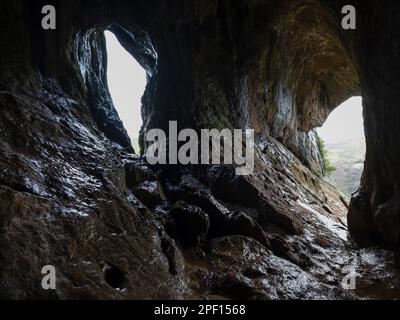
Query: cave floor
[[89, 207]]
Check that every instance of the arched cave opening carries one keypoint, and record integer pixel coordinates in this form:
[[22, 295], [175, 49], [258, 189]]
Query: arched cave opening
[[126, 83], [341, 140], [68, 179]]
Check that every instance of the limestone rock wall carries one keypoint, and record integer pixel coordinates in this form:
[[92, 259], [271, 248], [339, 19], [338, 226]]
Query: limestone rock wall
[[72, 194], [374, 213]]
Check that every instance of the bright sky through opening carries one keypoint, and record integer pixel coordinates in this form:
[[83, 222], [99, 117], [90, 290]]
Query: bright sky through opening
[[344, 123], [126, 82]]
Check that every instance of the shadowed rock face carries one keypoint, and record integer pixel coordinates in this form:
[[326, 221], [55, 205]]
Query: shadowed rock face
[[377, 203], [74, 196]]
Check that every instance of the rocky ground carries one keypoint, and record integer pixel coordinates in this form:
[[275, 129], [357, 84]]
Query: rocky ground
[[127, 230], [74, 196]]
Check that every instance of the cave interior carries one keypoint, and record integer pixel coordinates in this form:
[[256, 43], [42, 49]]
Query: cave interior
[[74, 194]]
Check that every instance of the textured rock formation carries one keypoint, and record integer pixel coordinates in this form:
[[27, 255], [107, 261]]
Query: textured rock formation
[[375, 211], [74, 196]]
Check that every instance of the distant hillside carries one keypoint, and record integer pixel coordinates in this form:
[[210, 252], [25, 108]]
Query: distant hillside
[[348, 158]]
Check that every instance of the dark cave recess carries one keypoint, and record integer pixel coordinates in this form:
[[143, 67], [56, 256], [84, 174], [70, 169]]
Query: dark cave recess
[[70, 184]]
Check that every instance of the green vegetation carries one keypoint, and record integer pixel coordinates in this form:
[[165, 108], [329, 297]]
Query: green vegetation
[[329, 168], [348, 158]]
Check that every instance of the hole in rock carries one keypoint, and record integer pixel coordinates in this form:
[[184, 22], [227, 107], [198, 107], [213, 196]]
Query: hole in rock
[[342, 142], [115, 277], [126, 82]]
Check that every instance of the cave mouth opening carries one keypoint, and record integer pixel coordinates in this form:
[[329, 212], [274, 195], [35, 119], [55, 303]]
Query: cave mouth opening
[[126, 83], [341, 140]]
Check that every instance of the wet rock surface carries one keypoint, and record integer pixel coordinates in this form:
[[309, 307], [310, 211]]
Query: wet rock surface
[[192, 223], [73, 195]]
